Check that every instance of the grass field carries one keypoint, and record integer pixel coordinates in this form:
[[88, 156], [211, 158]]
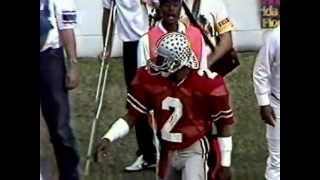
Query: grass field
[[249, 139]]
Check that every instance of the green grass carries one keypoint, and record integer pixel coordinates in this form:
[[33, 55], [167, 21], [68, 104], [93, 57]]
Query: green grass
[[249, 139]]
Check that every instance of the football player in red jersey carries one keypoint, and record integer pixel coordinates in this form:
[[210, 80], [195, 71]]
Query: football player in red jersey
[[185, 104]]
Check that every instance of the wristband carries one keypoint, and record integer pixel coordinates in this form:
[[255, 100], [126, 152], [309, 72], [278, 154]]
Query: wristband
[[225, 144], [118, 130]]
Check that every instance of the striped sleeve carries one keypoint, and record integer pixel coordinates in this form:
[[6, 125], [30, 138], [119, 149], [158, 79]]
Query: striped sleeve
[[223, 114], [66, 14], [221, 110], [138, 100], [136, 104]]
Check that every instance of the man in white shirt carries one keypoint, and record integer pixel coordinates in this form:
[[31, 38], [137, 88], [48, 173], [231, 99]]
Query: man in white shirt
[[131, 20], [55, 81], [212, 15], [266, 78]]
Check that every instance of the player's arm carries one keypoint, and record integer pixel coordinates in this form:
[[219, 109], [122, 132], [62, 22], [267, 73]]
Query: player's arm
[[261, 79], [138, 105], [119, 129], [223, 27], [223, 118]]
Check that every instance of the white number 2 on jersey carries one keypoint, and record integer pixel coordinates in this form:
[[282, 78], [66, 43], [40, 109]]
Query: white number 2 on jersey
[[173, 119]]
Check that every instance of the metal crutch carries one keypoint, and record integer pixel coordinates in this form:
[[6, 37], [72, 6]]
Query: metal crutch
[[99, 94], [156, 142]]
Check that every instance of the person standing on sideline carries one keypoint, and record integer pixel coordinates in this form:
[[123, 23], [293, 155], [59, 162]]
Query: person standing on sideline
[[169, 22], [131, 19], [212, 16], [56, 80], [266, 78]]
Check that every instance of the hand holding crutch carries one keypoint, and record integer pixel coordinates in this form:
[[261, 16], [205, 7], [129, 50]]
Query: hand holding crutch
[[104, 67]]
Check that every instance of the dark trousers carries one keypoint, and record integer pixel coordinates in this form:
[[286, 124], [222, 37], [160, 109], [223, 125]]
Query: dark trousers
[[144, 133], [56, 112]]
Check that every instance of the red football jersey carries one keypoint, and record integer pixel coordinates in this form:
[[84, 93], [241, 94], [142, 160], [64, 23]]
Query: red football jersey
[[183, 111]]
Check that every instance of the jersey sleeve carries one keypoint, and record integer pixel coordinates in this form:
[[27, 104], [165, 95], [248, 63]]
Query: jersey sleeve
[[138, 100], [222, 20], [66, 14], [221, 111]]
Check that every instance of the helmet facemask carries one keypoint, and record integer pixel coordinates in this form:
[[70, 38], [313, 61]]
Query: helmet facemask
[[174, 52]]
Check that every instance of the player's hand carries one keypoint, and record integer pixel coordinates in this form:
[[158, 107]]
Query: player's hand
[[73, 76], [268, 115], [224, 173], [102, 150], [106, 58]]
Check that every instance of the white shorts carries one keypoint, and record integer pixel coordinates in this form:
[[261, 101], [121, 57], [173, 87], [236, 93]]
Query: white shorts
[[189, 163]]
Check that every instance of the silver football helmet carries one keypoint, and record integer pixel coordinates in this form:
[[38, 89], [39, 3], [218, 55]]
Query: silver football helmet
[[174, 52]]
